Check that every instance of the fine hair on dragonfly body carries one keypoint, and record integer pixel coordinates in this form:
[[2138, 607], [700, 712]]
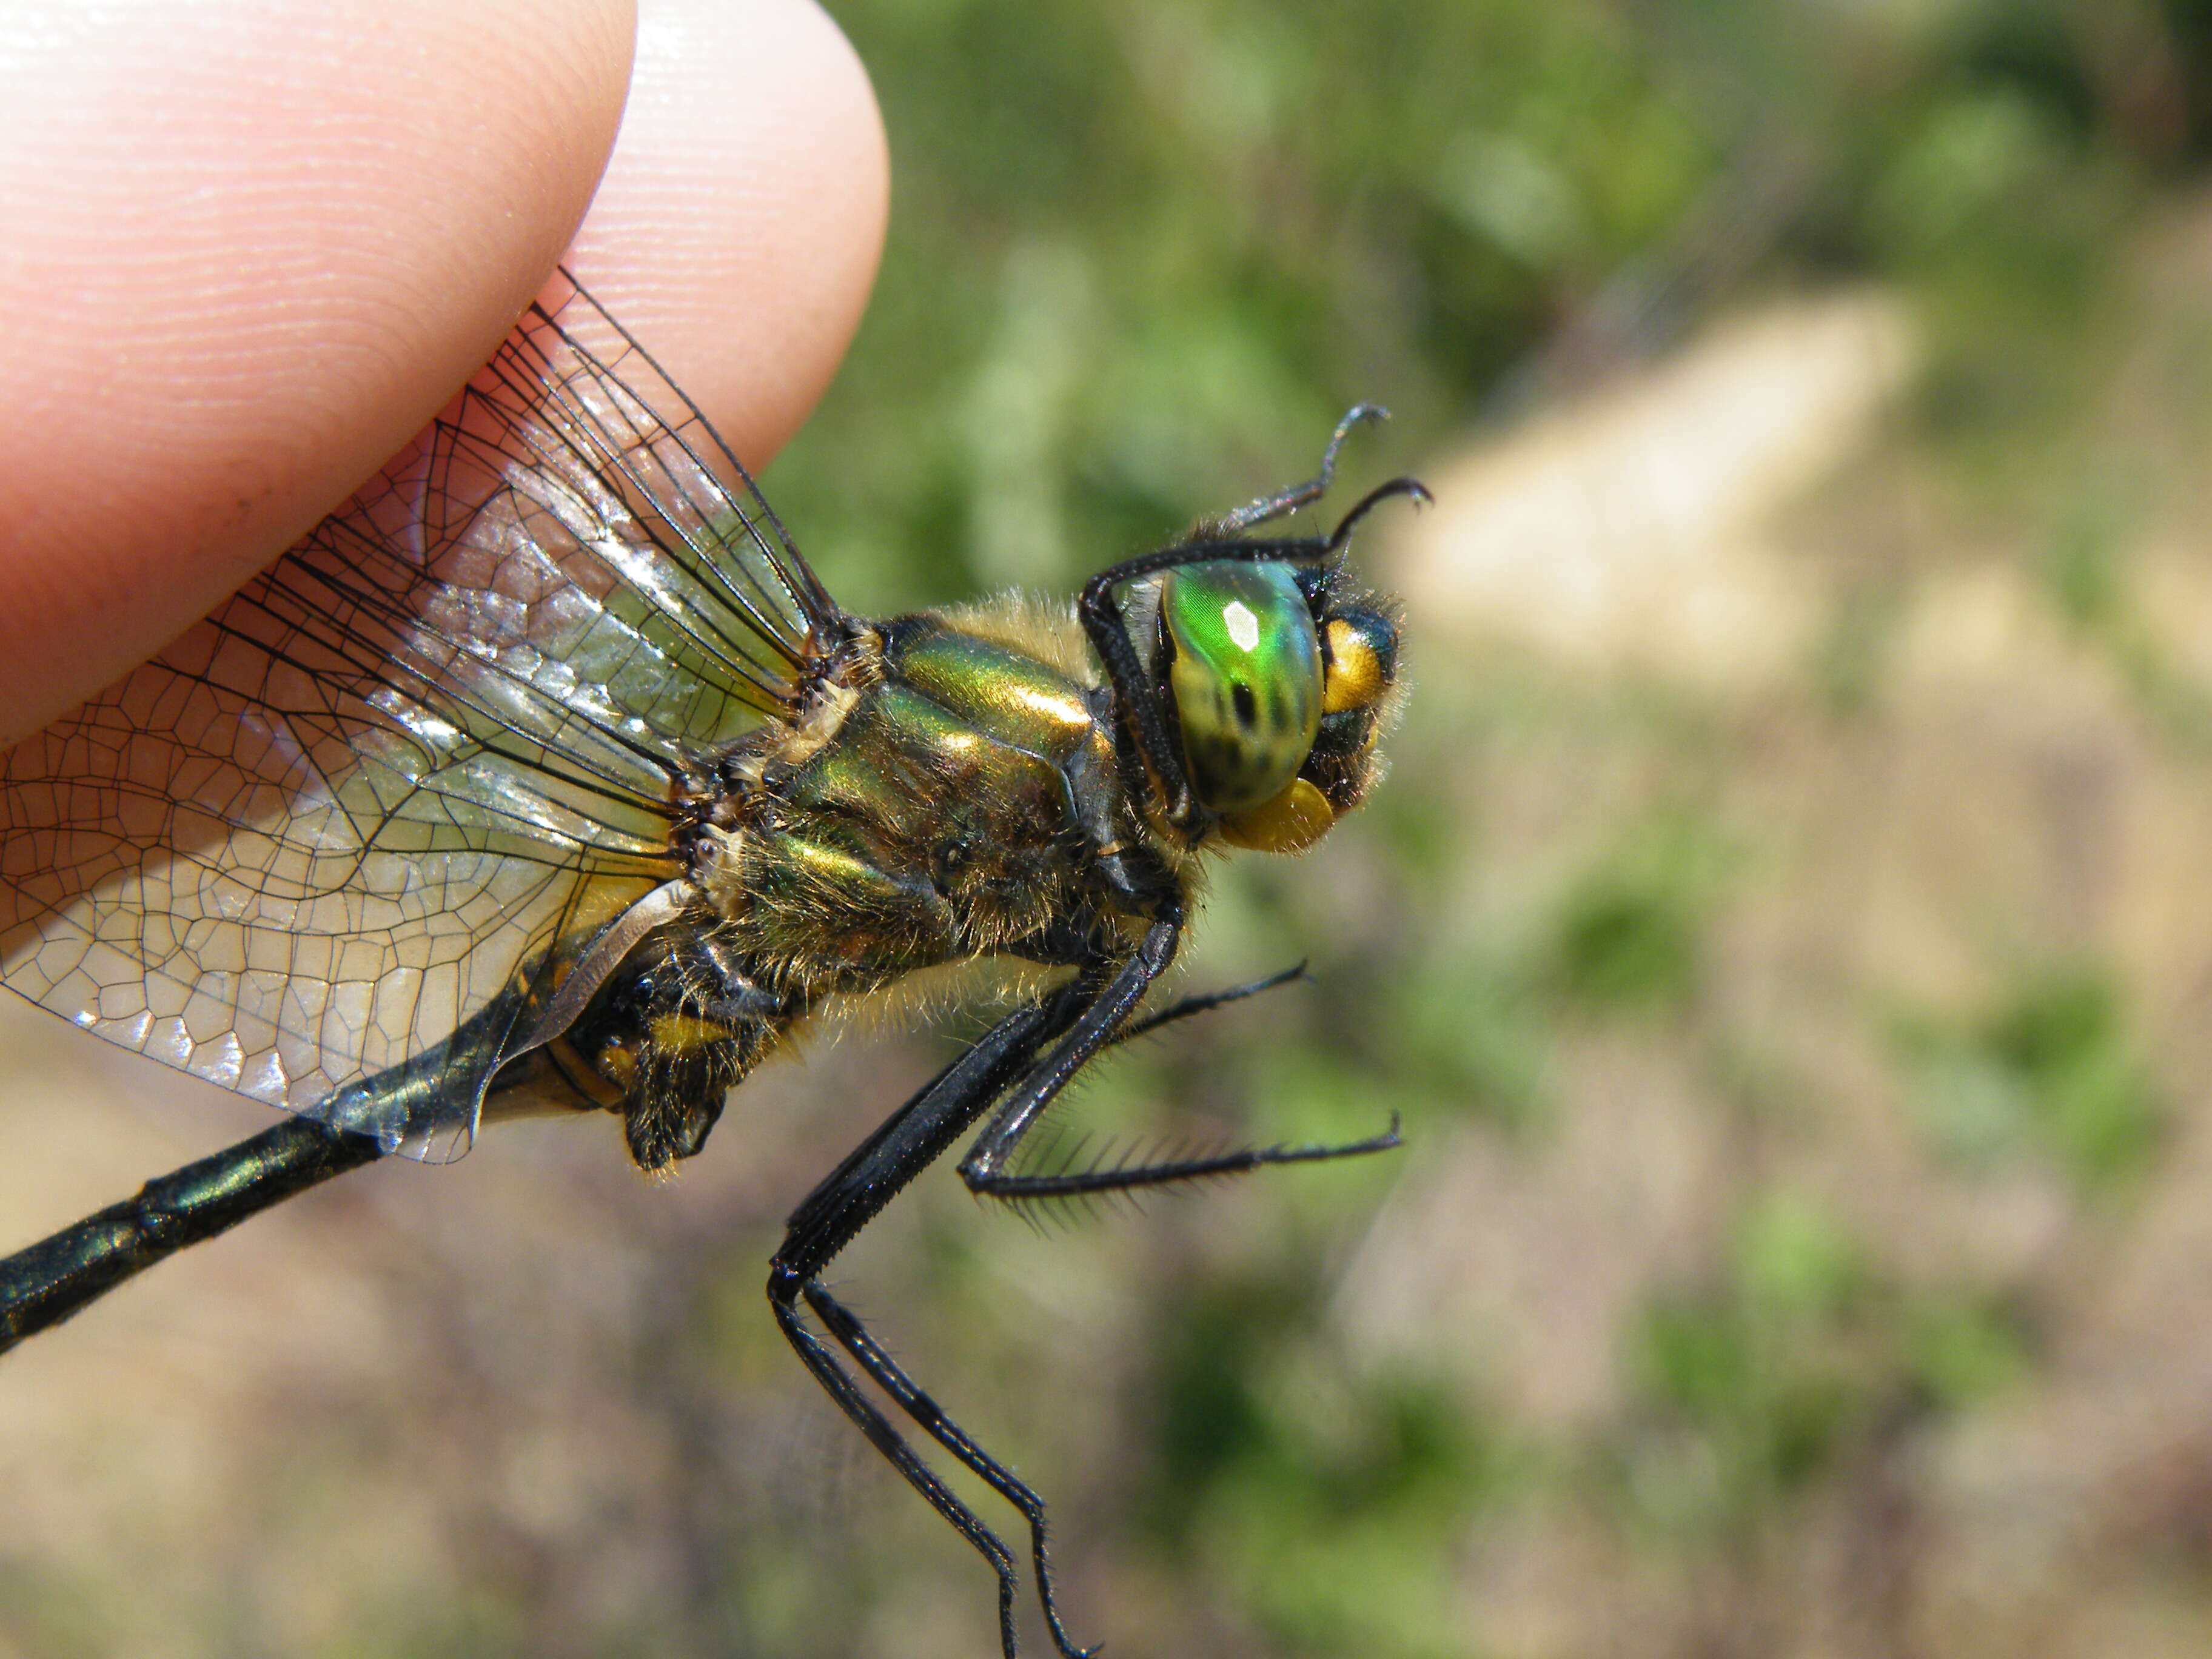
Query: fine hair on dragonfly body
[[546, 777]]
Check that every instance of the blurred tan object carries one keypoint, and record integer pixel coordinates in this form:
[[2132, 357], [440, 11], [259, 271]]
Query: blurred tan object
[[1631, 529]]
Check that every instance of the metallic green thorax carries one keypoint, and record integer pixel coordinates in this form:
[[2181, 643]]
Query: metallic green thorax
[[944, 815], [911, 838], [1246, 671]]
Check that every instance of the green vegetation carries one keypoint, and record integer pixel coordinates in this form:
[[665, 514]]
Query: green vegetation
[[2051, 1069], [1143, 255]]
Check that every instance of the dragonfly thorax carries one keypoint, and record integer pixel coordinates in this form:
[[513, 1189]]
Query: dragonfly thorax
[[961, 800]]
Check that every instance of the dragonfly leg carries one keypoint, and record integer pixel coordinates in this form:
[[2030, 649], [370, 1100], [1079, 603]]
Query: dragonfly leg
[[1078, 1021], [1081, 1184], [840, 1388], [984, 1168], [1206, 1002], [926, 1414]]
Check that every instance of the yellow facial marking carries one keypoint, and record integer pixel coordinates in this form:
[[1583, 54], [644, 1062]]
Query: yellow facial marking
[[682, 1033], [1354, 676], [1290, 822]]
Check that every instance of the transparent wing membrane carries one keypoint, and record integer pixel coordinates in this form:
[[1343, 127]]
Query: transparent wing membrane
[[315, 851]]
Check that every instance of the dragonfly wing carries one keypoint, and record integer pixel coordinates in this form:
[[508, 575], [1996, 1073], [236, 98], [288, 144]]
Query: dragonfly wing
[[323, 848]]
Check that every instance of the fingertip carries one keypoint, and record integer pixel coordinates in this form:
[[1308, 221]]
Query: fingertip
[[272, 254], [739, 228], [251, 250]]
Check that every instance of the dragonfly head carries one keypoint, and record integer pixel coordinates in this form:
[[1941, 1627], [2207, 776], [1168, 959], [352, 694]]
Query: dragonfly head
[[1279, 681]]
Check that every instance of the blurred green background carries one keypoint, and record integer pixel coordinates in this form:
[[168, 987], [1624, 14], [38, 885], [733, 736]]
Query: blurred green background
[[1787, 931]]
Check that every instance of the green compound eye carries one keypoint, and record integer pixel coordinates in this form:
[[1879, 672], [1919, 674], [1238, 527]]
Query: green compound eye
[[1247, 673]]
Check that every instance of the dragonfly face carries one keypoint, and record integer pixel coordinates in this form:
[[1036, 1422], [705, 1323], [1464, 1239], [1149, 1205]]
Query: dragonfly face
[[546, 777], [1244, 668], [1279, 693]]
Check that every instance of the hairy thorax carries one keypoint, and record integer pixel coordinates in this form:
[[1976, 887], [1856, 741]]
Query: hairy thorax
[[948, 812]]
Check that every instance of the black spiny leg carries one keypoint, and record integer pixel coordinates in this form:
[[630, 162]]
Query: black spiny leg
[[1206, 1001], [984, 1168], [1077, 1021], [989, 1177]]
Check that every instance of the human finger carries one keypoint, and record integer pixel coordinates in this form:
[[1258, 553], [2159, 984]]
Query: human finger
[[250, 251]]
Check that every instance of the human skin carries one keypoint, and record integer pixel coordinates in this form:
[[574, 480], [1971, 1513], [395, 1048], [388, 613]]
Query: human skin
[[247, 250]]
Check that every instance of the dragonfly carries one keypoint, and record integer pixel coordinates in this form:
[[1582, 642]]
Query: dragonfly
[[546, 777]]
